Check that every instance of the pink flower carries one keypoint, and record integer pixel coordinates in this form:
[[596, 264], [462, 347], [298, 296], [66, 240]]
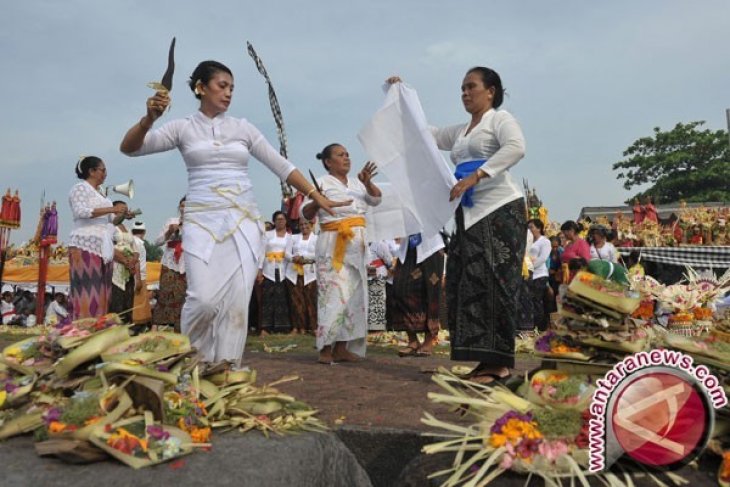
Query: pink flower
[[552, 450]]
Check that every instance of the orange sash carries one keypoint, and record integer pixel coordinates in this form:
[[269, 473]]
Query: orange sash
[[344, 235]]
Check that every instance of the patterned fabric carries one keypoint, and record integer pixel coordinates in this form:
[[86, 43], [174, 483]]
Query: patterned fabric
[[303, 304], [275, 306], [376, 304], [91, 283], [417, 293], [122, 301], [482, 280], [538, 298], [170, 298], [342, 295], [715, 257]]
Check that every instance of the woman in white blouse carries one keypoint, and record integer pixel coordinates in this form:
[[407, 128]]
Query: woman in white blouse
[[223, 237], [274, 296], [301, 278], [90, 247], [538, 254], [601, 248], [486, 253], [342, 256]]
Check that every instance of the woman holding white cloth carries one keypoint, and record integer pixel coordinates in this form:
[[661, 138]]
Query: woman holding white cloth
[[486, 253], [223, 227]]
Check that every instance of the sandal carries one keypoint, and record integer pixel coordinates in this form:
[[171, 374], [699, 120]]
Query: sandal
[[423, 353], [409, 351], [489, 378]]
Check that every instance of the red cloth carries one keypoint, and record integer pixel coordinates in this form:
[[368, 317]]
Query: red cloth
[[176, 245]]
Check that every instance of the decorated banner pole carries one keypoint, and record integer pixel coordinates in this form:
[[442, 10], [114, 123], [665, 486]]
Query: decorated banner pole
[[46, 236], [9, 220], [290, 202]]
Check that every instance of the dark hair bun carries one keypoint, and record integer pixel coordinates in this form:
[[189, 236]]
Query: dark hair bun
[[319, 156]]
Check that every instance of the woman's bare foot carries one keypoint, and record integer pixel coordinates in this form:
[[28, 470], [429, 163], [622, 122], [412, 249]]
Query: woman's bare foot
[[325, 355], [263, 333], [341, 354], [426, 348]]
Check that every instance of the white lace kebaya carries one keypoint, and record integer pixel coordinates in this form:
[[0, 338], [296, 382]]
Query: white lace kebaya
[[93, 235]]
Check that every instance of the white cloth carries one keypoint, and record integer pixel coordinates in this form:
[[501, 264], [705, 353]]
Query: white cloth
[[274, 243], [497, 138], [55, 313], [399, 139], [7, 310], [142, 251], [90, 234], [306, 249], [606, 252], [223, 228], [539, 252], [342, 298], [424, 250], [124, 242], [380, 250], [168, 253]]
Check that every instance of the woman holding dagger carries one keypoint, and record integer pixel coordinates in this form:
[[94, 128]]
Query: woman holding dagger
[[223, 227]]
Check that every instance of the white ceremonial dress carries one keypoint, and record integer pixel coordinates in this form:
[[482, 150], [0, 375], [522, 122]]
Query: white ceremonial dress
[[223, 237], [342, 296]]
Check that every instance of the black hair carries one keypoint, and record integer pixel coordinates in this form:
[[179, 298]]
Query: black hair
[[182, 200], [204, 72], [555, 238], [7, 293], [277, 213], [327, 153], [115, 203], [135, 231], [538, 224], [491, 79], [85, 165], [571, 225]]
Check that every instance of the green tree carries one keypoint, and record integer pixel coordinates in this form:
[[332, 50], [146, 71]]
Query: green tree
[[154, 253], [684, 163]]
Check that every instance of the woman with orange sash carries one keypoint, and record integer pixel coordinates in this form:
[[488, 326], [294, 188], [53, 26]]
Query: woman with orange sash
[[275, 298], [342, 256]]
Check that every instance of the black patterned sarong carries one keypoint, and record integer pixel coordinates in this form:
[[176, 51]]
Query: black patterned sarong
[[483, 274]]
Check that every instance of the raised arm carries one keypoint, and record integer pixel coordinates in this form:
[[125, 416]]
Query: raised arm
[[134, 138]]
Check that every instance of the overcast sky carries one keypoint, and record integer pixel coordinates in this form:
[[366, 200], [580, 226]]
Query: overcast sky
[[585, 79]]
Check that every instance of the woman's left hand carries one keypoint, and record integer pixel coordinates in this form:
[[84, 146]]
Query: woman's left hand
[[327, 204], [368, 172], [462, 185]]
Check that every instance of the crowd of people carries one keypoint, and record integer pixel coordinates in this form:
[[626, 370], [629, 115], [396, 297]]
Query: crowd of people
[[332, 283]]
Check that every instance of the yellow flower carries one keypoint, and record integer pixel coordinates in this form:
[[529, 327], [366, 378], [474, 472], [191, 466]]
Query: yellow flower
[[14, 352], [3, 397]]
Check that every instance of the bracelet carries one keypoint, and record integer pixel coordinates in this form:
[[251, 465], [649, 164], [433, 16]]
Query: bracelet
[[311, 191]]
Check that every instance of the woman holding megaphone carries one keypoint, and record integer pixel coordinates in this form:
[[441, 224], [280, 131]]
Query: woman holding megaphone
[[91, 248]]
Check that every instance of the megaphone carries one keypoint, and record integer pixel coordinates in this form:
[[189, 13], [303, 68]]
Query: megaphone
[[127, 189]]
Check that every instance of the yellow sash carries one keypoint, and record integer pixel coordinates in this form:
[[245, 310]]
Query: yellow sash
[[299, 268], [275, 256], [344, 235]]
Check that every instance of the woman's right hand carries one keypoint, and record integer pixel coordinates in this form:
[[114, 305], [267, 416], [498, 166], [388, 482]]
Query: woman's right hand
[[393, 80], [157, 104], [119, 209]]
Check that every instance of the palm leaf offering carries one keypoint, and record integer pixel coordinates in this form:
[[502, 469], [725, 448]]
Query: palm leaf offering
[[87, 388]]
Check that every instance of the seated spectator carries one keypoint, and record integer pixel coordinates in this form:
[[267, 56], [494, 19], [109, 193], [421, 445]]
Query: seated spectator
[[56, 309]]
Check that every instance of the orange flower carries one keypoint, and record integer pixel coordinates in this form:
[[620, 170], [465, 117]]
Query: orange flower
[[56, 427], [200, 435]]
